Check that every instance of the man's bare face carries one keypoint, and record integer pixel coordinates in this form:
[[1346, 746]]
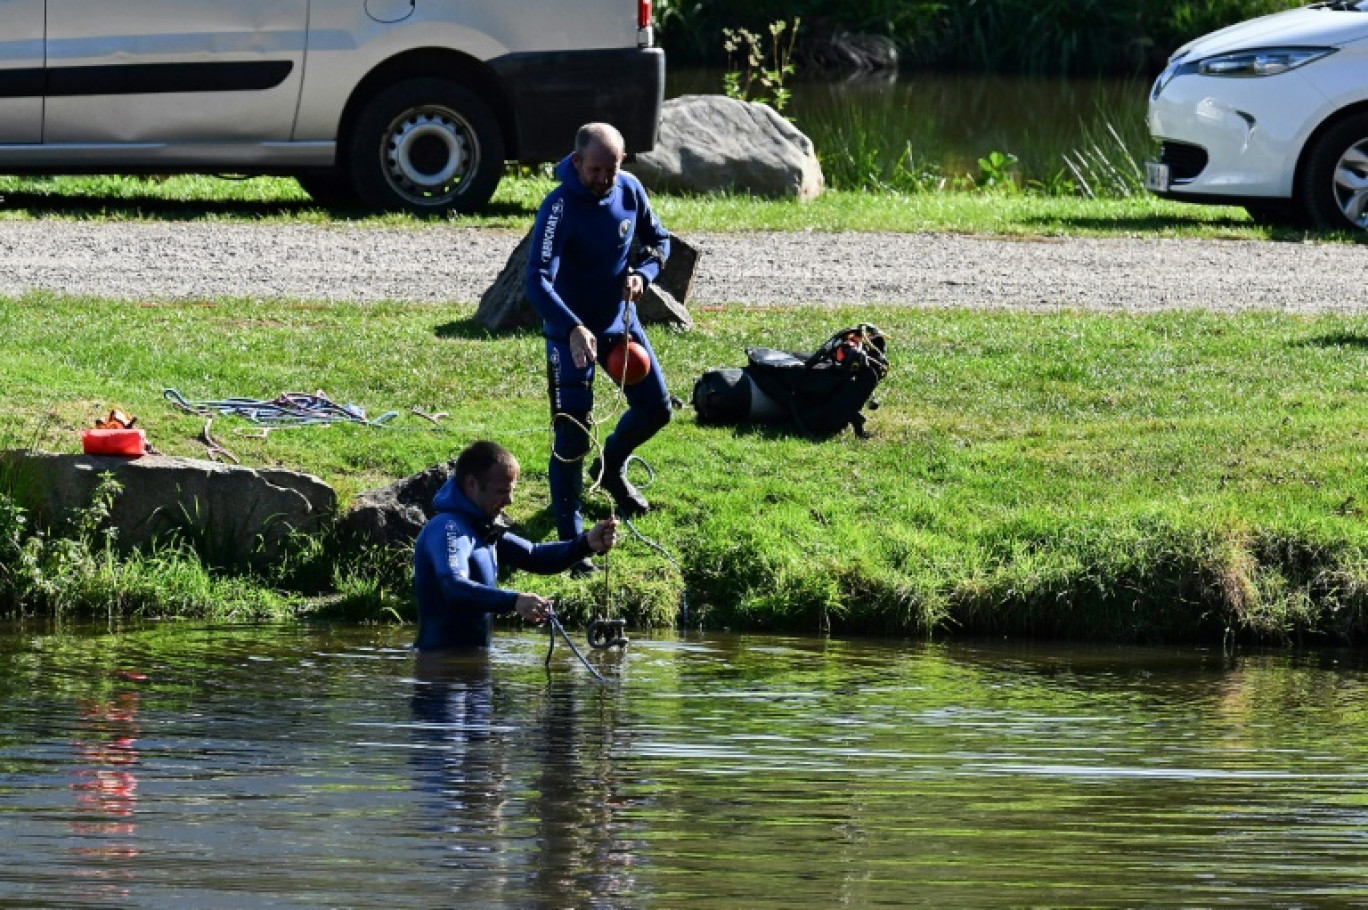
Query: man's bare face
[[597, 168], [492, 493]]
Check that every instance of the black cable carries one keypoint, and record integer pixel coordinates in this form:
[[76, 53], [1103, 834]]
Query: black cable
[[555, 626]]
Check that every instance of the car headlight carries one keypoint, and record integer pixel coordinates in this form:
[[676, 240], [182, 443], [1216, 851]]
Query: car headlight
[[1268, 61]]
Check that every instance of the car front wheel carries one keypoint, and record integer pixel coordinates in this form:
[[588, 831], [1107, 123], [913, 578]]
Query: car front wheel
[[1334, 184], [426, 146]]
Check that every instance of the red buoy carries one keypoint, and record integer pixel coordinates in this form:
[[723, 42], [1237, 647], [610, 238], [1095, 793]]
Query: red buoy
[[628, 362]]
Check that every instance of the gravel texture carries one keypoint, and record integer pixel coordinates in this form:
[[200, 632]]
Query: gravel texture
[[198, 260]]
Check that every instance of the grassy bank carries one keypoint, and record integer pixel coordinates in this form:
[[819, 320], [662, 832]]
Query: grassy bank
[[1098, 476], [515, 205]]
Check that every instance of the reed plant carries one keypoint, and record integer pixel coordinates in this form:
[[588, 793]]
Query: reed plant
[[859, 151]]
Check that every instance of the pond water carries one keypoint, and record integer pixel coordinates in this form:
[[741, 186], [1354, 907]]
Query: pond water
[[176, 766], [948, 122]]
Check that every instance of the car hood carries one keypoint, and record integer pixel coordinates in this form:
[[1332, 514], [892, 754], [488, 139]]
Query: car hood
[[1306, 27]]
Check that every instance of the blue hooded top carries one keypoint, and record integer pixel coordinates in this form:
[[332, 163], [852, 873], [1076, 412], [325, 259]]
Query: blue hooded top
[[581, 246], [456, 571]]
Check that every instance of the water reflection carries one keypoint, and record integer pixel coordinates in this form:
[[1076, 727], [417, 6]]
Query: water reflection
[[105, 784], [541, 778], [950, 121], [302, 767]]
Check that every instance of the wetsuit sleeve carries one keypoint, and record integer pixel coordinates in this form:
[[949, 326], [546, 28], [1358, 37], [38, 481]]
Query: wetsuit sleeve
[[650, 233], [543, 262], [542, 558], [449, 554]]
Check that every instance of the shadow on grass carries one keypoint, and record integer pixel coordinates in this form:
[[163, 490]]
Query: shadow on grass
[[1277, 232], [40, 205], [146, 206], [473, 330], [1334, 340], [1139, 223]]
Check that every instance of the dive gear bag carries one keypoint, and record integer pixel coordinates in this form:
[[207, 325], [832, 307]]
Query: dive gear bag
[[821, 393]]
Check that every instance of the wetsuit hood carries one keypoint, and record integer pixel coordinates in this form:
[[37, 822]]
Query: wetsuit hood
[[450, 499]]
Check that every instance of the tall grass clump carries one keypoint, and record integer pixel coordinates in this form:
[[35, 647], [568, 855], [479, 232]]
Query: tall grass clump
[[1106, 165], [77, 571], [869, 138], [857, 152]]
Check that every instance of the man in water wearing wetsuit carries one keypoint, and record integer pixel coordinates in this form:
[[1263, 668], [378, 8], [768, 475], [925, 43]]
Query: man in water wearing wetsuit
[[596, 245], [457, 556]]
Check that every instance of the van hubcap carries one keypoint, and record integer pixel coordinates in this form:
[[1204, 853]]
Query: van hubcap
[[428, 153]]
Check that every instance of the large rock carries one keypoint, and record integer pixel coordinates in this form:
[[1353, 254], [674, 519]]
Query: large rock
[[232, 515], [393, 515], [504, 305], [715, 144]]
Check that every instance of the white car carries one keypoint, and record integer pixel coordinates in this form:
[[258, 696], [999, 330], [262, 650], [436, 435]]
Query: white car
[[1270, 114], [400, 104]]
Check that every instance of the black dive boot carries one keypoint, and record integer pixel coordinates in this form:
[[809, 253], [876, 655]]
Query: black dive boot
[[630, 502], [584, 568]]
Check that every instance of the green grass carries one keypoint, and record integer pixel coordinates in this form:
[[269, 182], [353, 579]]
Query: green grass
[[515, 204], [1104, 476]]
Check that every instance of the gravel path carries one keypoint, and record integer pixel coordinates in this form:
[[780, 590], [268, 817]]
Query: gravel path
[[160, 260]]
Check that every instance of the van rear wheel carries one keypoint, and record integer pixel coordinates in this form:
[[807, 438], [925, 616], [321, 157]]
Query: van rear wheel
[[426, 146]]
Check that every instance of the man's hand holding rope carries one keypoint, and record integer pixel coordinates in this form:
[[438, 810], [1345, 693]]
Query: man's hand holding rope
[[583, 346], [532, 607], [603, 536]]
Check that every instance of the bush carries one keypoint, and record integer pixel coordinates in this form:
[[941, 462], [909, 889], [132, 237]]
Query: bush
[[1005, 36]]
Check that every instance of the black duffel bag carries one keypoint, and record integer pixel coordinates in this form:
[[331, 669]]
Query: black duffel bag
[[821, 393]]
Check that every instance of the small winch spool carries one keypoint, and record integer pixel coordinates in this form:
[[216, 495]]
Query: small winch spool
[[608, 633]]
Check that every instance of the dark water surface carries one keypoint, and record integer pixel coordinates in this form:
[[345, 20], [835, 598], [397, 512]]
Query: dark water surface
[[950, 121], [180, 767]]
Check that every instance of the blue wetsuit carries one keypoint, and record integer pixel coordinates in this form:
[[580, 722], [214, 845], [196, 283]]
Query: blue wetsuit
[[456, 571], [582, 246]]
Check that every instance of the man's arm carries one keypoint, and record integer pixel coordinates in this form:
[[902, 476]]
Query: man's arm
[[651, 237], [557, 556], [449, 554], [543, 262]]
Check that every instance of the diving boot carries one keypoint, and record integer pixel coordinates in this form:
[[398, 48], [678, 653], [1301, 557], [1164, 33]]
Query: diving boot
[[630, 502], [583, 569]]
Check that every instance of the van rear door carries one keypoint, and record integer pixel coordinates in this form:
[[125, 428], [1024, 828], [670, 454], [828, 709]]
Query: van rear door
[[21, 71], [173, 71]]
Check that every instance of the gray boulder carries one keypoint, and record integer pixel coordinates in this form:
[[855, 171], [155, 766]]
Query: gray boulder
[[232, 515], [714, 144], [504, 305], [393, 515]]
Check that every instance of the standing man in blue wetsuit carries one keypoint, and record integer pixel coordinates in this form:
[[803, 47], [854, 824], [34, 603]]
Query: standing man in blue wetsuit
[[596, 245], [457, 557]]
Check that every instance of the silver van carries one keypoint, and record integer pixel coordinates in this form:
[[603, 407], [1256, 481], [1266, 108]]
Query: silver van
[[399, 104]]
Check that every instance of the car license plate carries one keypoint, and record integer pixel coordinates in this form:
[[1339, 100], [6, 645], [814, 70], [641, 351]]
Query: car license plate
[[1156, 177]]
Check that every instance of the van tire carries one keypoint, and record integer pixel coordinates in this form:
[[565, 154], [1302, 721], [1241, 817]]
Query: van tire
[[426, 146]]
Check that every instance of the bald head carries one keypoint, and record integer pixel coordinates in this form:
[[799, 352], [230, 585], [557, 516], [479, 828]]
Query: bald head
[[600, 135], [598, 156]]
